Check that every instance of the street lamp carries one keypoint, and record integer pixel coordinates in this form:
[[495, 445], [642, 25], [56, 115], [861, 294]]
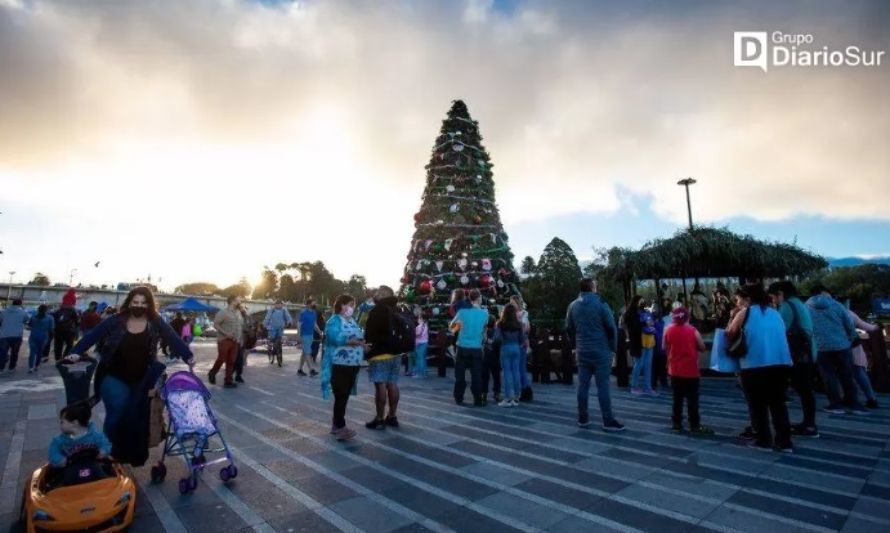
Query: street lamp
[[9, 287], [686, 183], [71, 277]]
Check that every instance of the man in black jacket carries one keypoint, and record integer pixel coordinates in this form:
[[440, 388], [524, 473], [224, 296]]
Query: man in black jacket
[[383, 369]]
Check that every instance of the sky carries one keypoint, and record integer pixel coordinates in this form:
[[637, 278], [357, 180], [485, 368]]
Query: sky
[[202, 140]]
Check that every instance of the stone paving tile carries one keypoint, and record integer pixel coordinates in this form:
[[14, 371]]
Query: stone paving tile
[[43, 411], [324, 490], [675, 501], [743, 520], [209, 518], [306, 522], [565, 495], [635, 517], [495, 473], [466, 520], [800, 513], [367, 514], [421, 501], [530, 513]]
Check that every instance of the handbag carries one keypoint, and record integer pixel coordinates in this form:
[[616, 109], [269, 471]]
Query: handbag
[[739, 347], [721, 361]]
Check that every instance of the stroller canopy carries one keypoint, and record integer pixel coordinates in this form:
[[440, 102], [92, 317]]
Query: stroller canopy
[[184, 381], [190, 305]]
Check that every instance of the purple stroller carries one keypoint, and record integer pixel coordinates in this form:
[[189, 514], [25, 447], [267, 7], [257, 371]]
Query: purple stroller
[[191, 426]]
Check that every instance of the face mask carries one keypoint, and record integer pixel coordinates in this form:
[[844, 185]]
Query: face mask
[[348, 310], [137, 312]]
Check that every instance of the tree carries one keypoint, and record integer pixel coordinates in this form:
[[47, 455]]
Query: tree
[[41, 280], [610, 287], [242, 289], [267, 286], [200, 288], [859, 284], [287, 289], [459, 240], [554, 284], [357, 287], [528, 266]]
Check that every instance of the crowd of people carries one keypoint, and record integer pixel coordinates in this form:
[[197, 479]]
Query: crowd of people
[[775, 338]]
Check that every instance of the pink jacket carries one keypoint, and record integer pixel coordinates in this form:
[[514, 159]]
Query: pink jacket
[[422, 333], [859, 356]]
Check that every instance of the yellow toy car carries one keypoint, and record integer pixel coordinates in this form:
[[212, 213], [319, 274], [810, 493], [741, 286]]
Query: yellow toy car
[[88, 494]]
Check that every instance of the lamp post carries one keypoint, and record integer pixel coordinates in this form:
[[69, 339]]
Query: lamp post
[[9, 287], [686, 183], [71, 277]]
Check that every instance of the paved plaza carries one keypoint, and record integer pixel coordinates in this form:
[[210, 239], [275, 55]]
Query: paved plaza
[[452, 468]]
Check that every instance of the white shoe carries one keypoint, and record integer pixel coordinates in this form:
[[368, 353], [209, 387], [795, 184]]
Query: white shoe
[[514, 403], [505, 403]]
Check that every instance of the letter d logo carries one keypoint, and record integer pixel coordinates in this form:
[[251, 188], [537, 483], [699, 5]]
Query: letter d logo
[[749, 49]]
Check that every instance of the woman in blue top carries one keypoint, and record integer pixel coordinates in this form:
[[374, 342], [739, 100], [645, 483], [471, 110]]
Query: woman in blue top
[[510, 334], [766, 367], [343, 353], [41, 325]]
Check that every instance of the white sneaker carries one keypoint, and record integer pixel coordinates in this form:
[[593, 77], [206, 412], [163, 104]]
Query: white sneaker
[[514, 403], [505, 403]]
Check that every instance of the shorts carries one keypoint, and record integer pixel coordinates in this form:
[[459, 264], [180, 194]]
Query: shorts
[[386, 371], [275, 333]]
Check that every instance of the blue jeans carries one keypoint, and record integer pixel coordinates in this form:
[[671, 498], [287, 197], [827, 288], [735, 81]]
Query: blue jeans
[[116, 397], [587, 367], [468, 358], [275, 333], [307, 344], [9, 349], [510, 360], [419, 366], [860, 374], [643, 365], [837, 373], [36, 345], [524, 381]]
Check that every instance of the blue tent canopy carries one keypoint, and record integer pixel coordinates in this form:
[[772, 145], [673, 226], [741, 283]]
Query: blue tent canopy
[[190, 305]]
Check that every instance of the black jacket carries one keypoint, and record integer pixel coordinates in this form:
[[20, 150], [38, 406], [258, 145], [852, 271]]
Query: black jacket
[[378, 330]]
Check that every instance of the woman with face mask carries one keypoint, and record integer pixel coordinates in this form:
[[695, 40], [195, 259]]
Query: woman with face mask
[[129, 368], [343, 353]]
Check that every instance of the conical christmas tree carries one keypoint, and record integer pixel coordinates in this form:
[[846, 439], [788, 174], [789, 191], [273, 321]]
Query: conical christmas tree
[[459, 241]]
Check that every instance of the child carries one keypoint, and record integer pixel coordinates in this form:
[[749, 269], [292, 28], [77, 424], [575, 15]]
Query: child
[[78, 434], [683, 343], [860, 360], [421, 342], [186, 332]]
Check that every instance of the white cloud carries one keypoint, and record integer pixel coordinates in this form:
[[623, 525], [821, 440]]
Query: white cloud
[[328, 110]]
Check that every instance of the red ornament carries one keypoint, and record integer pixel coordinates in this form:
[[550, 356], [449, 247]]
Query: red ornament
[[477, 219], [485, 281], [425, 287], [417, 216]]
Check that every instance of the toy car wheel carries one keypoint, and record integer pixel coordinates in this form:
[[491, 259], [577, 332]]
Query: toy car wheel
[[184, 486], [224, 474], [193, 482], [233, 471]]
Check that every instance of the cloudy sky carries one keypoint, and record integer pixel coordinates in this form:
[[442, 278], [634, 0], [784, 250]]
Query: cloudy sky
[[200, 140]]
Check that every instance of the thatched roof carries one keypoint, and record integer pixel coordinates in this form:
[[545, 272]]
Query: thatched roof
[[706, 252]]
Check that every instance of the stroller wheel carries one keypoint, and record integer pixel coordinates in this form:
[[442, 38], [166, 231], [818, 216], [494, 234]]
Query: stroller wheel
[[185, 485], [227, 473]]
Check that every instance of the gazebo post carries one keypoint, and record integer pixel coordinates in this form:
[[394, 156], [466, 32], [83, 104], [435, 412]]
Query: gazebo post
[[880, 374]]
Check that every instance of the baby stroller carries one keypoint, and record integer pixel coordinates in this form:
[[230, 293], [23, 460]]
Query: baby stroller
[[191, 426]]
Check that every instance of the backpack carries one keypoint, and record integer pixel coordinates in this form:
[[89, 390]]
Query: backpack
[[403, 332], [798, 339], [66, 320]]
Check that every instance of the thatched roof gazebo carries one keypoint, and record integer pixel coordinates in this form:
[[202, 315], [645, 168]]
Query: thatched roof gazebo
[[707, 252]]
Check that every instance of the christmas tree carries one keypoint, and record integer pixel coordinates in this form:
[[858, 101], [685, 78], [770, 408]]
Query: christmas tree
[[459, 241]]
